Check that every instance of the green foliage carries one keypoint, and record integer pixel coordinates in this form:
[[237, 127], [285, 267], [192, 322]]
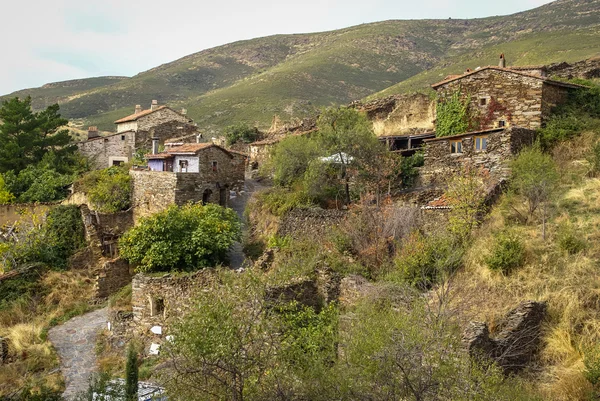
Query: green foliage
[[5, 195], [185, 238], [452, 115], [131, 375], [424, 261], [593, 158], [569, 239], [53, 243], [321, 182], [240, 132], [290, 159], [534, 176], [42, 393], [278, 201], [591, 361], [507, 253], [102, 388], [466, 196], [108, 189], [408, 168]]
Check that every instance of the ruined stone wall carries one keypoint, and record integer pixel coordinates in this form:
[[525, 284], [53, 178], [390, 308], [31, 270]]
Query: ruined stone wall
[[24, 213], [103, 150], [259, 154], [400, 114], [552, 96], [501, 146], [521, 96], [115, 223], [309, 223], [152, 192], [158, 300], [111, 277]]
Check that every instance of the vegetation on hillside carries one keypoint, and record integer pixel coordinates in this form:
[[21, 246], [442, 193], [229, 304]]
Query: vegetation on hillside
[[109, 189]]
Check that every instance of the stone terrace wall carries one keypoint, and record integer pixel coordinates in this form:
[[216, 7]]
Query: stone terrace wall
[[312, 222], [111, 277], [501, 146], [520, 95], [157, 300], [153, 191]]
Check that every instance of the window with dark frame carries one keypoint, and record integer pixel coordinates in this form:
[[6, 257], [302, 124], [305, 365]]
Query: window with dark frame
[[482, 101], [214, 166], [122, 137], [501, 123], [183, 166], [456, 146]]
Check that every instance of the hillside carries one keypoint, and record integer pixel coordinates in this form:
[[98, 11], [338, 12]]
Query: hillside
[[293, 75]]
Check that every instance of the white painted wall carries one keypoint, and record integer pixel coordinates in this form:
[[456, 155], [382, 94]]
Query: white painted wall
[[131, 125], [193, 163]]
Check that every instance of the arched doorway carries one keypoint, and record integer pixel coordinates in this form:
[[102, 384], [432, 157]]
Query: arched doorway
[[206, 196]]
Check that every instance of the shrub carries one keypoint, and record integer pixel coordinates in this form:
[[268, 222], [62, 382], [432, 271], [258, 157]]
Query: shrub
[[182, 238], [240, 132], [452, 115], [508, 252], [408, 168], [5, 195], [591, 361], [593, 158], [278, 201], [290, 159], [109, 189], [569, 239]]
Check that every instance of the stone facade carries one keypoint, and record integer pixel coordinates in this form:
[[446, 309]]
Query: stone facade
[[111, 277], [106, 151], [154, 191], [502, 96], [502, 145]]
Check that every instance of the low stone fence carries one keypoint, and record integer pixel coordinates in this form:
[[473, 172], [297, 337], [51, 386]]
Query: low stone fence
[[309, 222]]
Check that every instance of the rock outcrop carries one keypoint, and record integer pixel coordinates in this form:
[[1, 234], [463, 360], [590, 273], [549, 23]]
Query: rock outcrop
[[514, 343]]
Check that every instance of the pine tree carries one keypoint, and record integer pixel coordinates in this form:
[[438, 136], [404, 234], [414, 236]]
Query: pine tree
[[131, 375]]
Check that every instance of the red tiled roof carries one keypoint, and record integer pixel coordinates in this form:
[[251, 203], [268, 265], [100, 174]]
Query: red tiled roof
[[134, 116], [191, 147], [513, 71], [438, 203], [163, 155]]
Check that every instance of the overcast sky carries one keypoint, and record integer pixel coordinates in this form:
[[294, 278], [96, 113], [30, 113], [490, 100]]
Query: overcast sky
[[54, 40]]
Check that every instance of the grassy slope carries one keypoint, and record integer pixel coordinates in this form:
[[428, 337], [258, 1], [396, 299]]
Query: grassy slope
[[568, 282], [292, 75]]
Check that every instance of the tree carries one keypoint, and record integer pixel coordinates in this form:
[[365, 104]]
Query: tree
[[290, 159], [131, 375], [348, 134], [534, 176], [466, 197], [5, 195], [240, 132], [25, 136], [184, 238]]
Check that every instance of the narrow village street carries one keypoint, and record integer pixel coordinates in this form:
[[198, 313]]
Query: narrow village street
[[75, 343]]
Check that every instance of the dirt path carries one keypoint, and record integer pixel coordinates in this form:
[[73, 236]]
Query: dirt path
[[238, 203], [74, 342]]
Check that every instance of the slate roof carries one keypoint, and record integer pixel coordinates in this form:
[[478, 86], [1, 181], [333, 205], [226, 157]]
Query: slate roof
[[190, 148], [143, 113]]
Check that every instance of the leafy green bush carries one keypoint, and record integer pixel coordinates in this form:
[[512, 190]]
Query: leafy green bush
[[109, 189], [423, 261], [5, 195], [278, 201], [508, 252], [591, 361], [408, 168], [38, 183], [569, 239], [181, 238], [593, 158], [240, 132], [290, 159]]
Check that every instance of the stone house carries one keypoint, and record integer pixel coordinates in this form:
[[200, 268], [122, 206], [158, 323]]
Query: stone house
[[194, 172], [489, 151], [502, 97], [135, 132]]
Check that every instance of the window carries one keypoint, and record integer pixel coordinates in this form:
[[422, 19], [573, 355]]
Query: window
[[501, 123], [214, 166], [183, 166], [122, 137], [456, 146], [157, 306], [481, 143], [482, 101], [117, 162]]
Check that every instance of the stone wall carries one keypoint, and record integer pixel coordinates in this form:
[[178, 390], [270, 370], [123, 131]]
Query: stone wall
[[152, 191], [310, 222], [502, 145], [25, 213], [519, 96], [158, 300], [400, 114], [102, 151], [115, 223], [163, 124], [552, 96], [111, 277]]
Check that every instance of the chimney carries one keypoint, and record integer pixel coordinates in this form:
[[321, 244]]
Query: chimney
[[184, 112], [138, 109], [154, 105], [468, 70], [154, 145], [502, 62], [93, 132], [198, 138]]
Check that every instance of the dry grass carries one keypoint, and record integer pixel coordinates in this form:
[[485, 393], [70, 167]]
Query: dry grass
[[569, 283], [24, 324]]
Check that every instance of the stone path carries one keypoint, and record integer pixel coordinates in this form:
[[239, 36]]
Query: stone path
[[236, 254], [75, 343]]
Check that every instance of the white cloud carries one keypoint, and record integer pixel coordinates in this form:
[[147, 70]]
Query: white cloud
[[67, 39]]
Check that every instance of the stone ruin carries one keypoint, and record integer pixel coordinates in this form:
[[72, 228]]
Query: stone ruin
[[516, 340]]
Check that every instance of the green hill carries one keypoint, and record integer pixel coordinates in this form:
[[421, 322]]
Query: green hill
[[293, 75]]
